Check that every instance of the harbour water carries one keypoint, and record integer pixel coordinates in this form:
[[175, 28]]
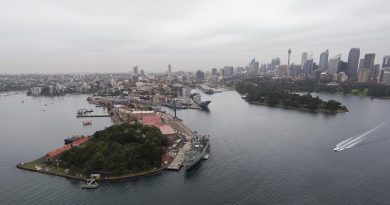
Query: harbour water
[[258, 155]]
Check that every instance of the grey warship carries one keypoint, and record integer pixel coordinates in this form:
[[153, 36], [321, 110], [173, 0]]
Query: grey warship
[[198, 151]]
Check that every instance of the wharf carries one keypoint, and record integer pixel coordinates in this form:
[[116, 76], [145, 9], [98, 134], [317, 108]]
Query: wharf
[[104, 115], [177, 162]]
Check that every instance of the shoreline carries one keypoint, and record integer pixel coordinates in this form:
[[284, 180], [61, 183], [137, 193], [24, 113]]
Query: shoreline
[[295, 108], [108, 179]]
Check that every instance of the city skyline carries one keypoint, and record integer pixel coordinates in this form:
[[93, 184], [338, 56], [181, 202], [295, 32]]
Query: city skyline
[[50, 37]]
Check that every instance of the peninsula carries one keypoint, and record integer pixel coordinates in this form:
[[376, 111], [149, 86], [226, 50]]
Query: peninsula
[[266, 92], [117, 152]]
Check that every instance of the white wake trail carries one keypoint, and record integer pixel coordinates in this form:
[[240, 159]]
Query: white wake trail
[[351, 142]]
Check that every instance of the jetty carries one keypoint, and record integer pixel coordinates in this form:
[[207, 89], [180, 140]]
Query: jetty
[[186, 132], [102, 115], [177, 162]]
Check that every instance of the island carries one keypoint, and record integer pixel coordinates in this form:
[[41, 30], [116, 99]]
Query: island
[[117, 152], [355, 88], [267, 92]]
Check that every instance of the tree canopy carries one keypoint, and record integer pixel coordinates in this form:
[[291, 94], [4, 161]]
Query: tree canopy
[[118, 149], [277, 93]]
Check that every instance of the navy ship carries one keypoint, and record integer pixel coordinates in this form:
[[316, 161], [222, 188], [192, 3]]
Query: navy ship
[[198, 100], [206, 89], [198, 151], [175, 105]]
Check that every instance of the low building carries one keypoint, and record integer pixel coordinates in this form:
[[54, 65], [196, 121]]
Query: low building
[[155, 120], [51, 156]]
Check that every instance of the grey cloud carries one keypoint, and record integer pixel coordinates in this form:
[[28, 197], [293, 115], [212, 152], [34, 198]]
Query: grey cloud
[[104, 36]]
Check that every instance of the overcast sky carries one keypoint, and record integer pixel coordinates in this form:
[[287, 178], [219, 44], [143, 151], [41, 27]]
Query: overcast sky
[[113, 36]]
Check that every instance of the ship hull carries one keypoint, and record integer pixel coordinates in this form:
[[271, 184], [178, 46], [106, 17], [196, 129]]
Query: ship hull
[[198, 157], [204, 104], [173, 106]]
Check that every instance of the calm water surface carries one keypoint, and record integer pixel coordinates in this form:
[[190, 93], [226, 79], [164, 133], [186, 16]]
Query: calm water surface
[[259, 155]]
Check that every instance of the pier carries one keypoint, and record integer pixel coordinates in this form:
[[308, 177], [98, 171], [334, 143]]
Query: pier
[[177, 162], [103, 115]]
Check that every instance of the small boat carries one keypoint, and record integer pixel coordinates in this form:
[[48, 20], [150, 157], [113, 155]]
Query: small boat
[[70, 139], [91, 184], [206, 156], [88, 122]]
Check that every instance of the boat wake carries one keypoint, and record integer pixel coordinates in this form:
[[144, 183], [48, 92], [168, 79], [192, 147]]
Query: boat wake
[[353, 141]]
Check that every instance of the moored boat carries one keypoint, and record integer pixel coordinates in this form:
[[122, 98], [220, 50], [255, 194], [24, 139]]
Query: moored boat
[[198, 151], [91, 184], [198, 100]]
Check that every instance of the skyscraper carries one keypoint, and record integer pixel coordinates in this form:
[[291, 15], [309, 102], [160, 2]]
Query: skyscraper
[[377, 68], [323, 65], [369, 60], [275, 62], [169, 71], [199, 75], [353, 61], [334, 64], [304, 59], [135, 70], [386, 62], [308, 66], [214, 71], [254, 66], [228, 71], [361, 62]]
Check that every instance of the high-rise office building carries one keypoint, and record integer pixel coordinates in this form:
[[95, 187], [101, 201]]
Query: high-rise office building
[[361, 63], [254, 66], [214, 71], [308, 67], [363, 75], [281, 71], [333, 67], [304, 59], [323, 65], [135, 70], [386, 78], [343, 67], [369, 60], [274, 62], [386, 63], [289, 53], [199, 75], [228, 71], [375, 77], [353, 61], [169, 71]]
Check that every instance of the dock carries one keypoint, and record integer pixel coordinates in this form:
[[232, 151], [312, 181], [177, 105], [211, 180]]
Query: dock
[[177, 162], [103, 115]]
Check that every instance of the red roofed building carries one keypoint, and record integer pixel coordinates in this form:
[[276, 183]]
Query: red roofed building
[[55, 153], [58, 151], [155, 120]]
